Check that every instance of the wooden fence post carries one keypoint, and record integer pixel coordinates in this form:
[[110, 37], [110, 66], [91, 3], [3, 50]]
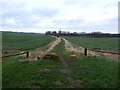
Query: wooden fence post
[[85, 51], [27, 54]]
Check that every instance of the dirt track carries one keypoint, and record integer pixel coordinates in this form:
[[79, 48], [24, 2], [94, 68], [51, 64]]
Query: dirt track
[[77, 50], [53, 44], [34, 55], [69, 47], [68, 71]]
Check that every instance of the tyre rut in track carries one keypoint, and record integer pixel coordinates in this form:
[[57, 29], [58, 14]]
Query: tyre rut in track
[[33, 55], [69, 72]]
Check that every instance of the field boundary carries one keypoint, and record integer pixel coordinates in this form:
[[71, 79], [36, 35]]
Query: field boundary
[[52, 44], [13, 54], [90, 49], [114, 55], [102, 51], [94, 50]]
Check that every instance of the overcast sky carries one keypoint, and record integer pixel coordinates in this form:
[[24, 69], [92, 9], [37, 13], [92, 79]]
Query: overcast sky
[[70, 15]]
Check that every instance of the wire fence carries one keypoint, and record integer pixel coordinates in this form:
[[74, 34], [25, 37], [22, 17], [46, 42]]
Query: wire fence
[[85, 53], [102, 51], [16, 54]]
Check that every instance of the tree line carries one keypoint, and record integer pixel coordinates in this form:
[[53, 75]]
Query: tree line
[[82, 34]]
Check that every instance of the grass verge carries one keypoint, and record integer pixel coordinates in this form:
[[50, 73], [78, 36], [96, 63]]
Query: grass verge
[[94, 71]]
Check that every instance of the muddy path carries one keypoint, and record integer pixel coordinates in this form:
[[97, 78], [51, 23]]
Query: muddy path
[[77, 50], [53, 44], [68, 71], [39, 53], [65, 69]]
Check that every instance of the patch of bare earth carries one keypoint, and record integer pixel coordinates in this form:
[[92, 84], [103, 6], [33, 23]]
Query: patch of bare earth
[[45, 47], [75, 82], [69, 46], [53, 44], [68, 71], [59, 83], [36, 55], [77, 50], [65, 71], [45, 70], [39, 54], [112, 56]]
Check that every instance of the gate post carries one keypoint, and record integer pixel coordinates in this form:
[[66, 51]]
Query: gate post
[[27, 54], [85, 51]]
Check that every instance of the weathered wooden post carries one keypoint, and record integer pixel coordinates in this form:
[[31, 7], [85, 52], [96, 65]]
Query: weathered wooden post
[[27, 54], [85, 51]]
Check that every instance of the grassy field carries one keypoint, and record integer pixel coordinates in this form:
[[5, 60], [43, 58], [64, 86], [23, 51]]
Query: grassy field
[[29, 75], [32, 74], [93, 71], [100, 43], [24, 41]]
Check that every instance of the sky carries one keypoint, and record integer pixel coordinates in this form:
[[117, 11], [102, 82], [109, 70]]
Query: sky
[[40, 16]]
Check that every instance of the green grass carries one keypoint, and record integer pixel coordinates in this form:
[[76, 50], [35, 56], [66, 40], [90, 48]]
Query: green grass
[[100, 43], [94, 71], [60, 48], [26, 75], [24, 41]]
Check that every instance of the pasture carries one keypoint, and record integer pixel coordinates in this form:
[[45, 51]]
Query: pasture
[[24, 41], [84, 72], [95, 43]]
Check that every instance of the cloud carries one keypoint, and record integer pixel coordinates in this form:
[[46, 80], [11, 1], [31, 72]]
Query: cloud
[[70, 15], [46, 12]]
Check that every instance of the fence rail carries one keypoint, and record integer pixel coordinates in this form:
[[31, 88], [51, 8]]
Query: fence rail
[[85, 53], [13, 54], [118, 53]]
